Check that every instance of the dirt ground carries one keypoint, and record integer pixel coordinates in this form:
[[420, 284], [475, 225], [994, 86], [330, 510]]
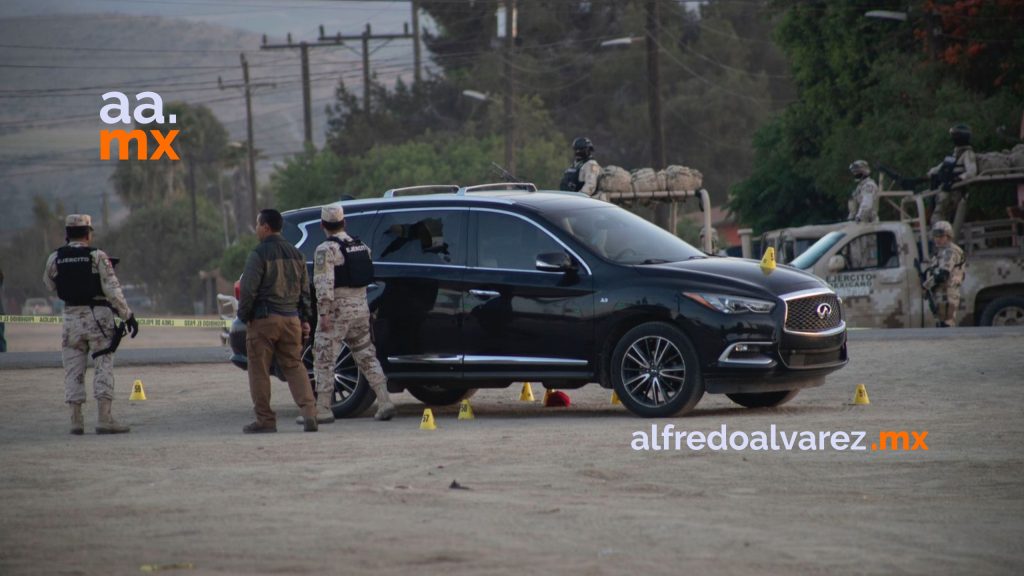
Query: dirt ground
[[550, 491]]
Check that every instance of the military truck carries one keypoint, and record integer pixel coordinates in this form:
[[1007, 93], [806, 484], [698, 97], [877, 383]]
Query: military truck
[[875, 269], [872, 266], [792, 242]]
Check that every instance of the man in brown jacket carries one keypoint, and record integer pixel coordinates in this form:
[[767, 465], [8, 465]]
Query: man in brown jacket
[[274, 303]]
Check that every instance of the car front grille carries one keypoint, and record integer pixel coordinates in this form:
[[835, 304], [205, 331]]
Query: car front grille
[[817, 313]]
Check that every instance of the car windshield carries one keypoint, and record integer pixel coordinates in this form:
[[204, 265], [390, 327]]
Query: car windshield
[[808, 258], [622, 237]]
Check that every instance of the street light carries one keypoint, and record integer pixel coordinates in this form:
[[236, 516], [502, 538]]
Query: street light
[[626, 41], [931, 20], [887, 15], [475, 95]]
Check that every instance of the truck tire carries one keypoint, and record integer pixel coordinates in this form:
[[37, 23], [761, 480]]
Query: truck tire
[[763, 399], [655, 371], [1008, 311]]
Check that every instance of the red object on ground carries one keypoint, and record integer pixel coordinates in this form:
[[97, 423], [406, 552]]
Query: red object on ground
[[557, 399]]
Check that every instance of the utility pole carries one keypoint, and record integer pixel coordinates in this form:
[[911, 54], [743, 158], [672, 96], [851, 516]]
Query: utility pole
[[249, 138], [417, 75], [247, 88], [307, 99], [510, 125], [307, 105], [664, 212], [366, 69], [654, 88], [367, 35]]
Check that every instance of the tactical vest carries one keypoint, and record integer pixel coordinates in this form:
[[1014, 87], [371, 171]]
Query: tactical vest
[[571, 178], [357, 271], [77, 284]]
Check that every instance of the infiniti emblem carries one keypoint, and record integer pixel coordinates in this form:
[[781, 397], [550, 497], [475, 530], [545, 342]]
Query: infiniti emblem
[[823, 311]]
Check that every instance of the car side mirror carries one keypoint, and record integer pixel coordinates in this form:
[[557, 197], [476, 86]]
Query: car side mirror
[[555, 262], [836, 263]]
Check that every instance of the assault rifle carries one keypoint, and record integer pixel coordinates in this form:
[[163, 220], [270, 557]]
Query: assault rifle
[[923, 276], [505, 174]]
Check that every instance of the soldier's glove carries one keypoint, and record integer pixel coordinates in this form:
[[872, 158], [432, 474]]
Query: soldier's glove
[[941, 275], [133, 325]]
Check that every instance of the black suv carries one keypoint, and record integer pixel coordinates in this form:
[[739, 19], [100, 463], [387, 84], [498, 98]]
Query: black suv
[[477, 288]]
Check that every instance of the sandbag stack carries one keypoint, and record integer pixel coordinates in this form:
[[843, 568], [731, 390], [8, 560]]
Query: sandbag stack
[[675, 178], [1004, 160]]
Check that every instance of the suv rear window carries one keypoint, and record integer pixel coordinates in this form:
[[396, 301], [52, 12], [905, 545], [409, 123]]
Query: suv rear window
[[421, 237]]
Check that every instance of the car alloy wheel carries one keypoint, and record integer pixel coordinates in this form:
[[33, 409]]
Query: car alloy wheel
[[351, 394], [653, 371]]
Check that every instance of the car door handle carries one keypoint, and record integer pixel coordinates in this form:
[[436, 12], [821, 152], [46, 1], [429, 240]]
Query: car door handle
[[484, 293]]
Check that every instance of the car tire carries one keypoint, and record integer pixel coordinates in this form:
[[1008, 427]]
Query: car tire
[[763, 399], [352, 394], [1008, 311], [674, 388], [437, 395]]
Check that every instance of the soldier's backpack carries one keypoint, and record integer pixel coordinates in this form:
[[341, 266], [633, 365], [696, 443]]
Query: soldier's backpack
[[357, 271]]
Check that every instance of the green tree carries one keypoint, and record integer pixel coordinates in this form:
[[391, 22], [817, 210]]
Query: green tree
[[308, 179], [867, 90], [24, 258], [721, 76], [201, 146], [169, 268]]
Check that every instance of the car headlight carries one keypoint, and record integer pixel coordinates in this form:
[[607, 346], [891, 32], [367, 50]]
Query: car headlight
[[728, 304]]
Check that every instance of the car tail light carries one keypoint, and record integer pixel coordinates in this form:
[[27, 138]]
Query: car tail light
[[238, 289]]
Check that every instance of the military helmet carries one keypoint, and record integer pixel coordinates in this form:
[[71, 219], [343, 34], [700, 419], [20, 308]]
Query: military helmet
[[942, 228], [860, 168], [582, 147], [961, 134]]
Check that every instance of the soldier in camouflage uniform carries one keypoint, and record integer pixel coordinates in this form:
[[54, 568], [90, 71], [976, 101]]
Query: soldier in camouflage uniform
[[582, 176], [344, 315], [716, 248], [961, 165], [84, 279], [862, 202], [945, 274]]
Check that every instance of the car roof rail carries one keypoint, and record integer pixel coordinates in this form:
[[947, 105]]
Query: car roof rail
[[427, 189], [499, 187]]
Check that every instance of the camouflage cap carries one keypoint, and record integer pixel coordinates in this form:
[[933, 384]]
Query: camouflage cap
[[77, 220], [941, 228], [333, 213]]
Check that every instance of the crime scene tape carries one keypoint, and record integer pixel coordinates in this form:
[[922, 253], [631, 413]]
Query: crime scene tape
[[153, 322]]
